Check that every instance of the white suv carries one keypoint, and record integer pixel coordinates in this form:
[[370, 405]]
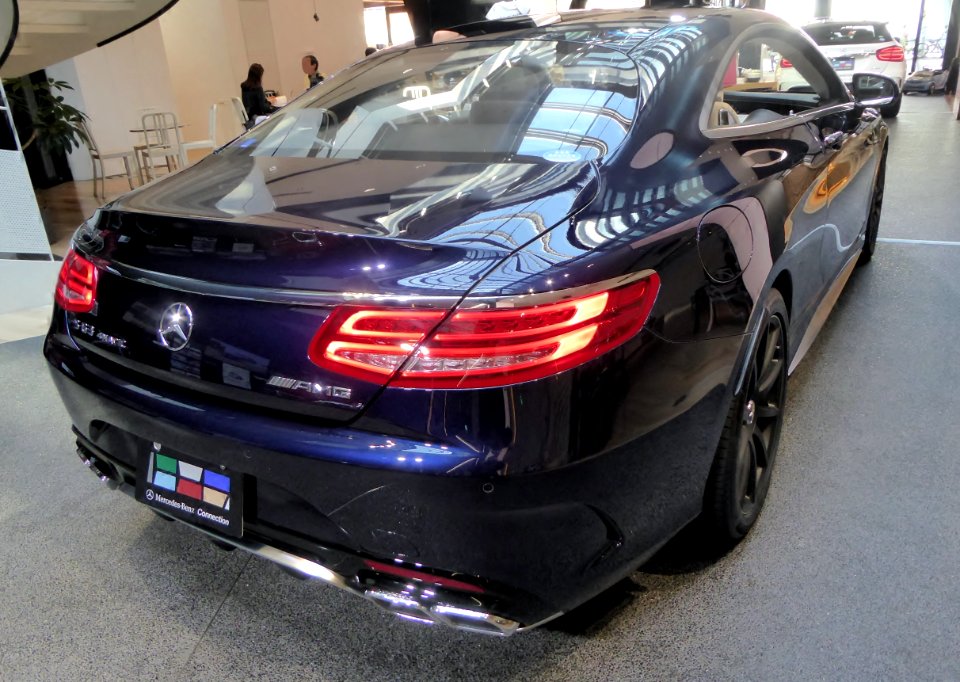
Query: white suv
[[855, 47]]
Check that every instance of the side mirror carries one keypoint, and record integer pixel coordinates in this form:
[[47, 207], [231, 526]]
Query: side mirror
[[873, 90]]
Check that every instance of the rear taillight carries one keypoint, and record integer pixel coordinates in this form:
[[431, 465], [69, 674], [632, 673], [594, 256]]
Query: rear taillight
[[894, 53], [785, 63], [76, 284], [479, 348]]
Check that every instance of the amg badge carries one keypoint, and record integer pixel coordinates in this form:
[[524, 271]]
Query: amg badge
[[309, 387]]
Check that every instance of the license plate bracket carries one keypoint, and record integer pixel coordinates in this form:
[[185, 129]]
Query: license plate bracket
[[187, 488], [842, 63]]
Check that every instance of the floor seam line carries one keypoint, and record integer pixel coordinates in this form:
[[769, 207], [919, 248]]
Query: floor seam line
[[216, 613], [925, 242]]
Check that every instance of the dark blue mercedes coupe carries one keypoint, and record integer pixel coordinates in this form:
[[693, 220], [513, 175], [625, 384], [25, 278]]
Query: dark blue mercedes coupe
[[473, 328]]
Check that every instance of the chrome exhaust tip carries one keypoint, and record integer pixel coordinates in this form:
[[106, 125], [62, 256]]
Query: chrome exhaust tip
[[107, 474], [426, 606], [406, 607], [474, 621]]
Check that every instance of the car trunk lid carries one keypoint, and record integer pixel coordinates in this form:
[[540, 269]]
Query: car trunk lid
[[258, 260]]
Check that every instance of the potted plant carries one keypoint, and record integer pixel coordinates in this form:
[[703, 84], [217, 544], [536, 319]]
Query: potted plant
[[48, 127]]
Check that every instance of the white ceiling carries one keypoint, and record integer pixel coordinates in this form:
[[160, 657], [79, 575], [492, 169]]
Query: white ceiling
[[54, 30]]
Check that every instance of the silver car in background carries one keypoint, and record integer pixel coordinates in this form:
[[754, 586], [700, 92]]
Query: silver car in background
[[927, 81], [857, 47], [861, 47]]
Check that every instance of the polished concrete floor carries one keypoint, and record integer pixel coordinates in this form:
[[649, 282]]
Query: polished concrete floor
[[852, 572]]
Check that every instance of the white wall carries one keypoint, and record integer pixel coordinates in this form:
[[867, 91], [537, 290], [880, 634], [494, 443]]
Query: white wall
[[205, 49], [337, 39], [258, 36], [114, 84]]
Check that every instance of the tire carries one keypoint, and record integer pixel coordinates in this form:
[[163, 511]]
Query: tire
[[876, 208], [741, 471], [892, 109], [931, 91]]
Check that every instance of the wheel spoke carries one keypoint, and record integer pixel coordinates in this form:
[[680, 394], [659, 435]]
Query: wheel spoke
[[744, 466], [772, 344], [746, 434], [761, 445], [748, 473], [768, 379]]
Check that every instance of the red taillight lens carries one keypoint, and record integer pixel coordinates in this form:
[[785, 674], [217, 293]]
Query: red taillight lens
[[76, 284], [894, 53], [785, 63], [480, 348]]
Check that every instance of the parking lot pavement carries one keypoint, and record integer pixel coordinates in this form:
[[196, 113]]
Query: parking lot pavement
[[851, 572]]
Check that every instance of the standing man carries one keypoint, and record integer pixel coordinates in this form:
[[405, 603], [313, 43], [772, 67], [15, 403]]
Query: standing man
[[309, 64]]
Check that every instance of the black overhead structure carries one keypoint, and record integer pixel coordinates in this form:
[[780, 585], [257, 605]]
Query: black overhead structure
[[427, 16], [953, 34], [916, 42]]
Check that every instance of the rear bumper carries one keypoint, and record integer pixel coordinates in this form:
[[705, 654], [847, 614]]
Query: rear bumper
[[459, 604], [535, 545]]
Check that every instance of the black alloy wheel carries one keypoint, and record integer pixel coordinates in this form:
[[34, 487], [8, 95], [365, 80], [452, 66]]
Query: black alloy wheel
[[741, 471], [876, 208]]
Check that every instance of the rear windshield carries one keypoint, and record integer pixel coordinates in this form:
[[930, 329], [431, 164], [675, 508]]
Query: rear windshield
[[836, 33], [488, 101]]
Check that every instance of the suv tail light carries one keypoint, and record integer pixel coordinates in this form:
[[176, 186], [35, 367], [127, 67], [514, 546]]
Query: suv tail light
[[479, 348], [894, 53], [785, 63], [76, 284]]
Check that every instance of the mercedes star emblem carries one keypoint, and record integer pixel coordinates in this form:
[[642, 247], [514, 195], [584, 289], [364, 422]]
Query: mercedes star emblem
[[176, 324]]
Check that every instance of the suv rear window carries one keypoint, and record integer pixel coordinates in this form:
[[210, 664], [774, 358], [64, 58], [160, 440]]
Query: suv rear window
[[852, 33]]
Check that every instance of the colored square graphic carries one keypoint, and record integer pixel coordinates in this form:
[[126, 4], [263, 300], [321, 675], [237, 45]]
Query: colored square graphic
[[168, 464], [190, 471], [214, 497], [215, 480], [165, 480], [190, 489], [190, 480]]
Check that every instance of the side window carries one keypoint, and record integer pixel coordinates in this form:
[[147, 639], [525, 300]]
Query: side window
[[769, 78]]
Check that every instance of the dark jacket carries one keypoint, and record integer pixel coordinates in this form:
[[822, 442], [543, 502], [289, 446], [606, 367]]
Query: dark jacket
[[255, 102]]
